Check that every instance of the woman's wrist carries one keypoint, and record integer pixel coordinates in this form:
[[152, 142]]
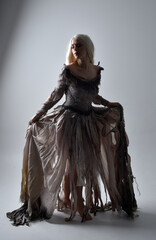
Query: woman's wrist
[[104, 102], [37, 116]]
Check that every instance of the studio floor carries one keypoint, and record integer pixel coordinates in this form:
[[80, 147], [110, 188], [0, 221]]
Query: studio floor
[[105, 225]]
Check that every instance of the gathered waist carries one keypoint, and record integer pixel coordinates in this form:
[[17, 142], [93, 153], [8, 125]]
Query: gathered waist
[[74, 109]]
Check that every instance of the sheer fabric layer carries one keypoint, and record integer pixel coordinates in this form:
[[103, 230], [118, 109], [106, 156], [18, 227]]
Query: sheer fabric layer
[[88, 144]]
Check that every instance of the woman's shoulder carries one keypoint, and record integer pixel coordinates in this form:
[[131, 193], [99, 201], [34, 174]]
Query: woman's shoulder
[[92, 73], [99, 67], [73, 66], [70, 66]]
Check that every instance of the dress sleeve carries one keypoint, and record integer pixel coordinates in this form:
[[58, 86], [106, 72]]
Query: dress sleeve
[[56, 94]]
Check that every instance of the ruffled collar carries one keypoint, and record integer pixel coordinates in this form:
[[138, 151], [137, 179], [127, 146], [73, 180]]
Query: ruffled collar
[[93, 80]]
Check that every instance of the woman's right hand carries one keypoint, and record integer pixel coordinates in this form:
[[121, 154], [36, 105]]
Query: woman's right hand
[[35, 118]]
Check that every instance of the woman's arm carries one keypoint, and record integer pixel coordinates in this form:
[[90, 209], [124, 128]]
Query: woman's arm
[[101, 101], [54, 97]]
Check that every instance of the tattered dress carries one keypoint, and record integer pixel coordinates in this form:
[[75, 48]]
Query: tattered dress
[[75, 136]]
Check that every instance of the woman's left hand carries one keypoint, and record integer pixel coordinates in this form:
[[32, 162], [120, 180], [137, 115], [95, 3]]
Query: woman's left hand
[[114, 104]]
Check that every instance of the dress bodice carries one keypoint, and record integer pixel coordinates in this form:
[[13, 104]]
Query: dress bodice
[[81, 92]]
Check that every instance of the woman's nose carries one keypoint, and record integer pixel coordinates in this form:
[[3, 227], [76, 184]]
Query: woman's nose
[[75, 46]]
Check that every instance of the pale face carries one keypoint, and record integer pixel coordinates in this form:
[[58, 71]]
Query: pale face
[[78, 49]]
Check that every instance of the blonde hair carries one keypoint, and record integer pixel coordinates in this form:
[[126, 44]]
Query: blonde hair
[[85, 39]]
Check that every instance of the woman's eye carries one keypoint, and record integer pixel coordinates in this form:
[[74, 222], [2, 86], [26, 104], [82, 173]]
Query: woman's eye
[[78, 45]]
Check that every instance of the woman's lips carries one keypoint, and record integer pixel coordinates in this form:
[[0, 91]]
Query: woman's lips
[[76, 53]]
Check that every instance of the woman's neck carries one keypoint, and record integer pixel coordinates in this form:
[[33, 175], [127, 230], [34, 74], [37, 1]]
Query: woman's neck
[[83, 63]]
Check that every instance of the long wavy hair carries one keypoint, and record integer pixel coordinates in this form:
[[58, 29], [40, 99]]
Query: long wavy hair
[[85, 39]]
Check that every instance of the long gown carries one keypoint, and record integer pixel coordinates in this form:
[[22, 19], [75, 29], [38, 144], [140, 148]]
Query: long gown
[[75, 136]]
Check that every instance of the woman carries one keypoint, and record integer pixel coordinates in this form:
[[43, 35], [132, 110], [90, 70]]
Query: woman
[[75, 146]]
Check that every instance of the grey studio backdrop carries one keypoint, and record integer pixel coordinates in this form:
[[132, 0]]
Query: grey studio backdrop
[[33, 44]]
